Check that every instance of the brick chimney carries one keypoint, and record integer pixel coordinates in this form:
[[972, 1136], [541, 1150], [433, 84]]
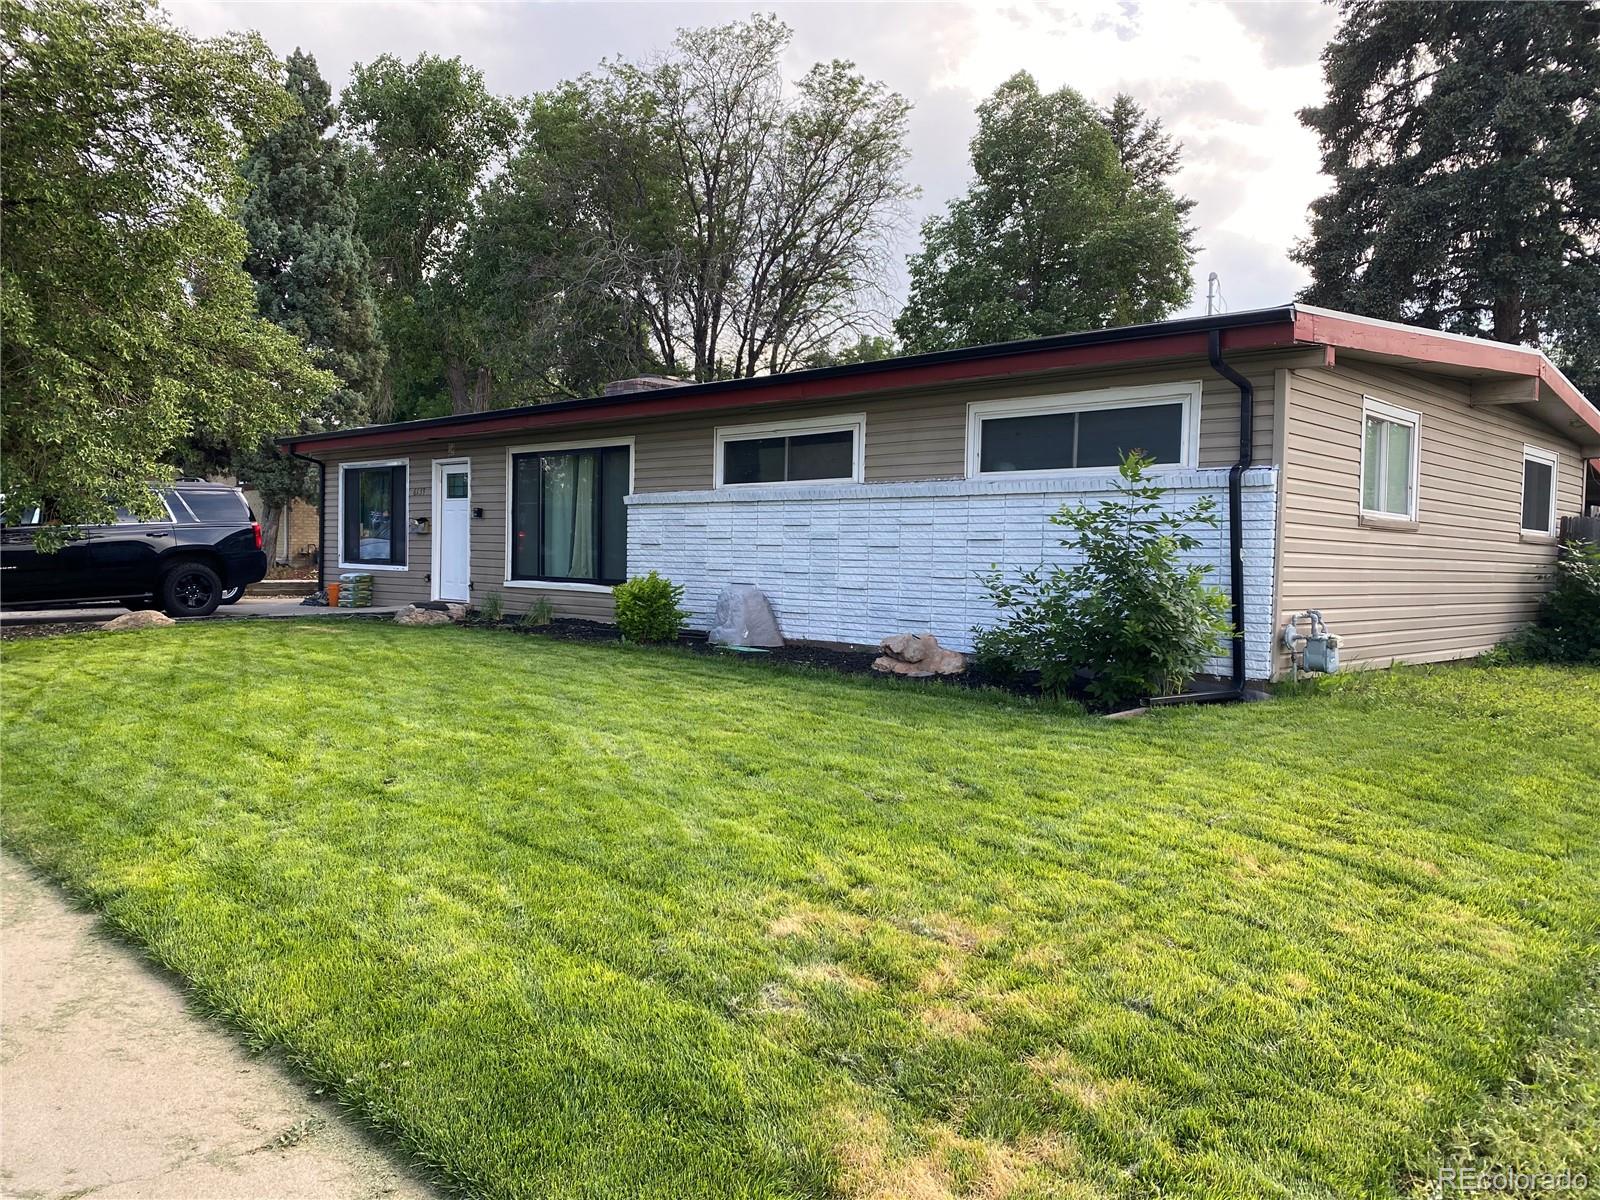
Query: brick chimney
[[642, 383]]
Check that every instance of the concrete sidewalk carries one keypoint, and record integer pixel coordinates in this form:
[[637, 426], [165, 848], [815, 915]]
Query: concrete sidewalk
[[111, 1088], [250, 606]]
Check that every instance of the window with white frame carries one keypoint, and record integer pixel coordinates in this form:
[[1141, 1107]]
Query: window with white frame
[[810, 450], [1389, 457], [1084, 431], [1538, 490], [372, 514]]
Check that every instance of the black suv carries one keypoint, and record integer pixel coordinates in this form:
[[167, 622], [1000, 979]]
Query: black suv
[[204, 552]]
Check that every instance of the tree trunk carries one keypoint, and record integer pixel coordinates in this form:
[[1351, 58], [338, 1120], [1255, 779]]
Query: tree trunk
[[483, 391], [455, 375], [270, 520]]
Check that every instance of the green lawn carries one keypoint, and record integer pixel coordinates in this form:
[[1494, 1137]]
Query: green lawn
[[581, 920]]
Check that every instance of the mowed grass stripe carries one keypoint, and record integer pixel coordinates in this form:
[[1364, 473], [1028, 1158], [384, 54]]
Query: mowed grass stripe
[[591, 921]]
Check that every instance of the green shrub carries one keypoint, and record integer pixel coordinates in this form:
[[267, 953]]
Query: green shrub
[[540, 615], [647, 609], [1130, 615], [492, 608], [1566, 628]]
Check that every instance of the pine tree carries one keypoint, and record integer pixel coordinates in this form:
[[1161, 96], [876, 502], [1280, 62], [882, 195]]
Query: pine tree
[[1463, 140], [312, 273]]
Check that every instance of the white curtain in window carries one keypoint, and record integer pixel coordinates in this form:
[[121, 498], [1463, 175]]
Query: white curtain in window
[[569, 533]]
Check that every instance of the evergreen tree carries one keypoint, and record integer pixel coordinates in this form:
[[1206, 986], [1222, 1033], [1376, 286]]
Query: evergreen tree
[[312, 274], [1148, 153], [1463, 141], [1056, 234]]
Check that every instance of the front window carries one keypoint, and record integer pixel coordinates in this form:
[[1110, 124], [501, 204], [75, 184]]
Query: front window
[[373, 502], [825, 450], [1389, 461], [569, 518], [1538, 491], [1090, 431]]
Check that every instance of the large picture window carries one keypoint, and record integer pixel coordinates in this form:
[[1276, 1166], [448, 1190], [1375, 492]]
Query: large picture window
[[1088, 431], [1389, 461], [1538, 491], [569, 518], [810, 450], [372, 515]]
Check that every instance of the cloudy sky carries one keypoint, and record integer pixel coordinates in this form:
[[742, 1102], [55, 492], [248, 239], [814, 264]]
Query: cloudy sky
[[1226, 78]]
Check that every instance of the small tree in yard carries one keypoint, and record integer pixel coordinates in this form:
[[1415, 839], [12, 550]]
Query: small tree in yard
[[1131, 614]]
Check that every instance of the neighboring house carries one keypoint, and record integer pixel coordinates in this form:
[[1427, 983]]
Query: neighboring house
[[1405, 482], [295, 542]]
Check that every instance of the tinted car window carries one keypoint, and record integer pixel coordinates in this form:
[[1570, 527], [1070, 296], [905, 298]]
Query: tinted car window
[[218, 507]]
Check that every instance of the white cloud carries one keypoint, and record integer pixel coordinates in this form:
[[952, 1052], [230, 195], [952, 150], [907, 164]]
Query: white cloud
[[1226, 79]]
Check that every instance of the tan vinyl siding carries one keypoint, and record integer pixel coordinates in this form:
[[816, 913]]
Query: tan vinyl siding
[[1460, 581], [924, 435], [912, 436]]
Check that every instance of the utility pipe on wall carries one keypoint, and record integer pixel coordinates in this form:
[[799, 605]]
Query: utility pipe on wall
[[1247, 438]]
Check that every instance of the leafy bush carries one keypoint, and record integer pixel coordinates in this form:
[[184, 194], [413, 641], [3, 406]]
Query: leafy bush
[[492, 608], [1566, 628], [1130, 615], [647, 609]]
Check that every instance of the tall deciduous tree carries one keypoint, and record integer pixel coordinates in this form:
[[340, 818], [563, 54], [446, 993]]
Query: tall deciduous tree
[[129, 323], [1463, 141], [429, 133], [1055, 234], [312, 274], [698, 217]]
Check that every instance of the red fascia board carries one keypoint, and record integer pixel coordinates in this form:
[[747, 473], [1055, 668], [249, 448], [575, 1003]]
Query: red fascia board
[[1425, 346], [665, 403]]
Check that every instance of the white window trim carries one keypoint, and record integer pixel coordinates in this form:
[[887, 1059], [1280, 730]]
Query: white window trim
[[556, 585], [1144, 396], [436, 523], [1372, 407], [1552, 460], [339, 519], [854, 423]]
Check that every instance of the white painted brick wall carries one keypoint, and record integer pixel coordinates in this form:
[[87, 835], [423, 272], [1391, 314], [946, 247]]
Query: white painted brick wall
[[857, 562]]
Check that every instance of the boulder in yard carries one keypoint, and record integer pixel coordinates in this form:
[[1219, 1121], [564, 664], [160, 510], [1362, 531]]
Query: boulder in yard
[[412, 614], [745, 618], [918, 655], [143, 619]]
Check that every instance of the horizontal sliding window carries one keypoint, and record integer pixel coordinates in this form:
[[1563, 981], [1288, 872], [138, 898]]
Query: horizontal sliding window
[[372, 499], [569, 517], [1090, 431], [807, 451], [1538, 491]]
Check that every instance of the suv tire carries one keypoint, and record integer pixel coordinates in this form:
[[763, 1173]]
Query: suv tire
[[190, 589], [233, 595]]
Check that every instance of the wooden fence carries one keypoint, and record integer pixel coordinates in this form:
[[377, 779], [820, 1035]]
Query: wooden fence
[[1581, 529]]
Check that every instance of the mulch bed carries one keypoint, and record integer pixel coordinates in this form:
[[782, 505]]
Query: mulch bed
[[824, 658], [14, 632]]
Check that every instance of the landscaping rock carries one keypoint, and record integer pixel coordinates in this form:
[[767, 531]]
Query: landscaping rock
[[745, 618], [143, 619], [917, 656], [413, 615]]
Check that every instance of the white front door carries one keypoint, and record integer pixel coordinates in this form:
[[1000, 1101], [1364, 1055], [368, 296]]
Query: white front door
[[452, 530]]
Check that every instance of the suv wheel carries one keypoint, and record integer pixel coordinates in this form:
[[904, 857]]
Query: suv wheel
[[190, 589], [233, 595]]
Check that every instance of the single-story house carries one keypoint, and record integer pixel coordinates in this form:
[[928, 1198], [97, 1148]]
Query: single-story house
[[1405, 482]]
